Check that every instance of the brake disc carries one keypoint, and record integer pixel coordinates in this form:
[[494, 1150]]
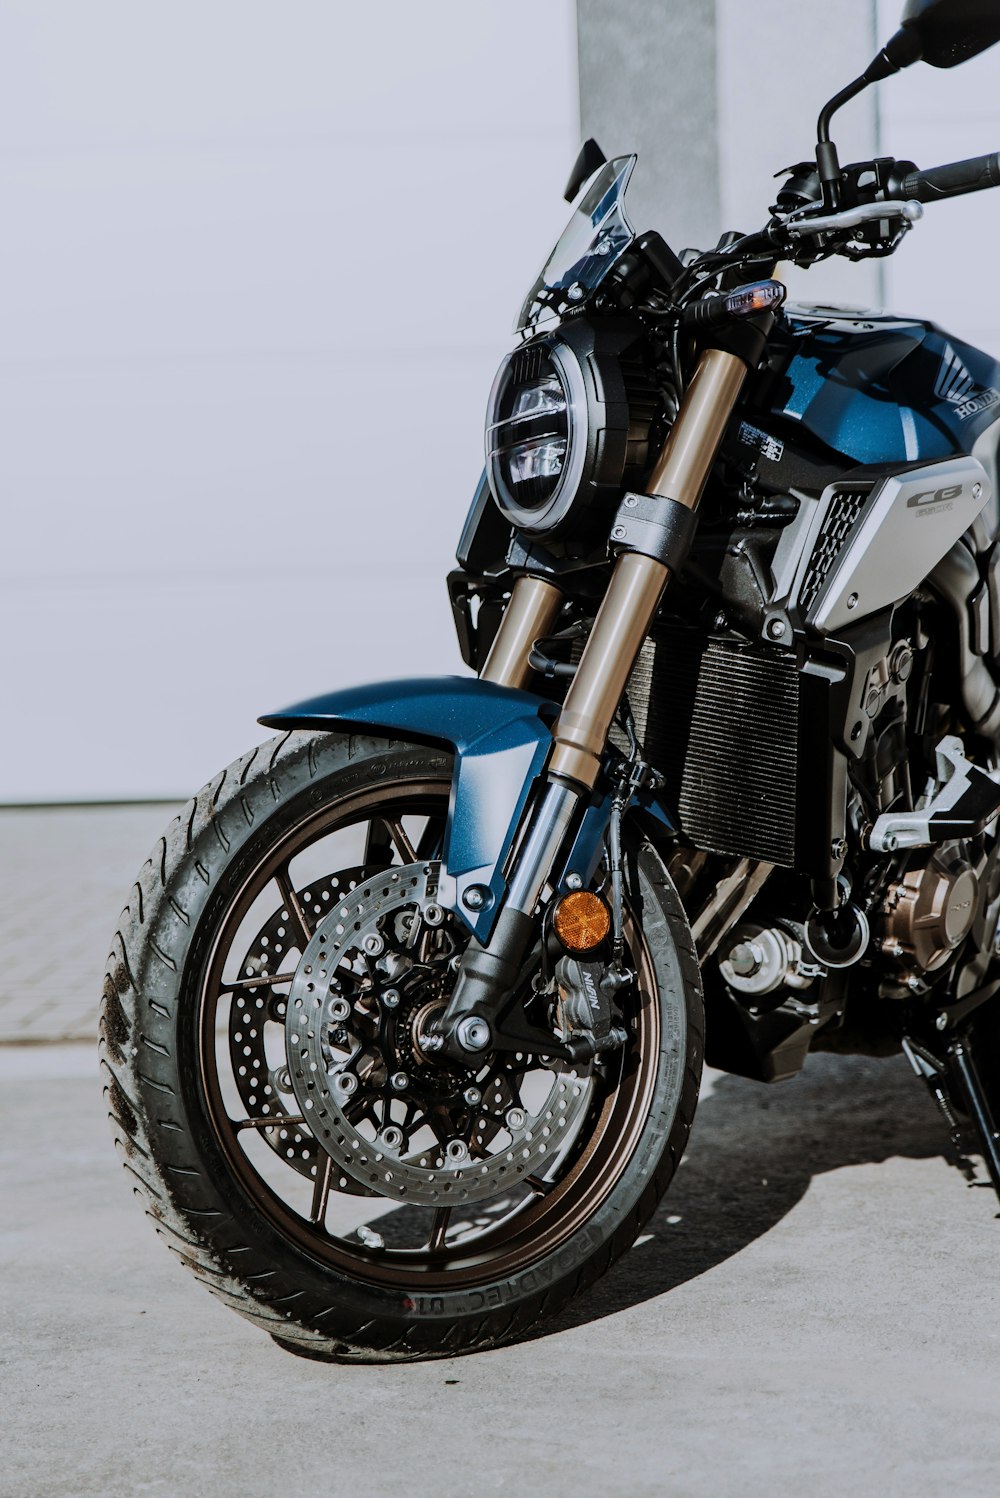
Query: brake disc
[[261, 1079], [350, 1002], [257, 1016]]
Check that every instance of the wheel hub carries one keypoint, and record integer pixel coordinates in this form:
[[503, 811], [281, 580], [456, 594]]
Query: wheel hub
[[378, 967]]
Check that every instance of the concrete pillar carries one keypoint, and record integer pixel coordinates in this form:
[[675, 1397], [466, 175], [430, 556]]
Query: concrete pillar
[[718, 95], [778, 61], [648, 84]]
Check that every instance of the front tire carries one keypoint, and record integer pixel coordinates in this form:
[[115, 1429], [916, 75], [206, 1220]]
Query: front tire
[[193, 1018]]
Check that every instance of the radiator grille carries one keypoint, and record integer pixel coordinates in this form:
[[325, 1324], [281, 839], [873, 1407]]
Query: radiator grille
[[845, 507], [719, 719]]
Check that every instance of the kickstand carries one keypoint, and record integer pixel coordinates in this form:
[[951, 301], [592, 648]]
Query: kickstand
[[935, 1074], [975, 1096]]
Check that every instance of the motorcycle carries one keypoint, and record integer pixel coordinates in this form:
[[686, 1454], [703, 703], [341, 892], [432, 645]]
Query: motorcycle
[[404, 1021]]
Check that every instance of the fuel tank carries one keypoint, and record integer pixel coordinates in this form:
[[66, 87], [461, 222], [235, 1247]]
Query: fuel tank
[[877, 388], [845, 388]]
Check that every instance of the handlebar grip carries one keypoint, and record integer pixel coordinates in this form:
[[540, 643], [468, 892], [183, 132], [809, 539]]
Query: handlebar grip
[[951, 180]]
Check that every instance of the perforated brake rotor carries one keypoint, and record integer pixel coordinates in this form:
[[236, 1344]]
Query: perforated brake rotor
[[254, 1012], [257, 1012], [341, 1061]]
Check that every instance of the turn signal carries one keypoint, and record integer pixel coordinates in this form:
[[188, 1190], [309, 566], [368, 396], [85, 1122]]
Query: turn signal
[[745, 301], [762, 296], [581, 921]]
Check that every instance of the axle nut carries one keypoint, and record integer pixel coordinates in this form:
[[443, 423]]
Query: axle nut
[[473, 1034]]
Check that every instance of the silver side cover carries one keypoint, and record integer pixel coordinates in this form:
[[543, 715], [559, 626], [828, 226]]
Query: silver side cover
[[888, 540]]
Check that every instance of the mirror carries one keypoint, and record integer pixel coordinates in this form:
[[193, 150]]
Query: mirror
[[951, 31]]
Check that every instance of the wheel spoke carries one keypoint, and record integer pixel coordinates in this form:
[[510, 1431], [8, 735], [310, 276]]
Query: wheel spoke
[[276, 1120], [385, 828], [384, 834], [256, 982], [439, 1229], [431, 840], [321, 1190], [405, 849], [292, 905], [378, 844]]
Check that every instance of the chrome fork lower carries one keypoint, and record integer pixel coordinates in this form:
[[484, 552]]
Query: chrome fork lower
[[545, 838]]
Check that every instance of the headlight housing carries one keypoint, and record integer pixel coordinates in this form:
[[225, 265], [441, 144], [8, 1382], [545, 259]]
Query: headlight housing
[[569, 425]]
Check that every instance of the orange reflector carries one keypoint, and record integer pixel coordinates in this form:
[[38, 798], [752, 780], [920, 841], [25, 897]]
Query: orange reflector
[[581, 921]]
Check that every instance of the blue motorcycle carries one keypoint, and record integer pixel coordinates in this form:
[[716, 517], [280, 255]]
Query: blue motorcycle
[[404, 1022]]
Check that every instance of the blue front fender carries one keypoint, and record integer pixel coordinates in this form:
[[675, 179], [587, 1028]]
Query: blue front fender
[[500, 738]]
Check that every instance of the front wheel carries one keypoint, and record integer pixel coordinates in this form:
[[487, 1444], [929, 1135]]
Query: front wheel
[[274, 974]]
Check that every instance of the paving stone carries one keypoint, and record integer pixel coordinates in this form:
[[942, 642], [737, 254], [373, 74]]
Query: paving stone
[[65, 873]]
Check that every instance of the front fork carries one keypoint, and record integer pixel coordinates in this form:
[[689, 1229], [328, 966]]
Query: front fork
[[488, 974]]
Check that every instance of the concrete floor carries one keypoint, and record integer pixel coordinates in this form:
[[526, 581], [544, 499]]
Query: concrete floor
[[814, 1311]]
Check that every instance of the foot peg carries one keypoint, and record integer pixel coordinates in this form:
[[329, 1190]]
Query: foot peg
[[963, 806]]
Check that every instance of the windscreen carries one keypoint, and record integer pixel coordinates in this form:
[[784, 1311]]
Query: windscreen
[[596, 237]]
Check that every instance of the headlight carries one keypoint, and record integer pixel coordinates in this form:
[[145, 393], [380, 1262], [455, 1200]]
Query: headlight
[[536, 409], [568, 425]]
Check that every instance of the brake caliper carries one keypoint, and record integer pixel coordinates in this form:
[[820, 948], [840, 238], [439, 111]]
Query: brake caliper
[[586, 1011]]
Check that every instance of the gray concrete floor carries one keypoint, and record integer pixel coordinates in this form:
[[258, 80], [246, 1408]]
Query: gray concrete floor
[[813, 1310]]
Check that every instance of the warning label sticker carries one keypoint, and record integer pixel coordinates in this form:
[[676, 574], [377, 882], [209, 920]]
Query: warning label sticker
[[768, 447]]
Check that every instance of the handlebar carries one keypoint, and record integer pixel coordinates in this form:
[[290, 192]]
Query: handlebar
[[891, 194], [951, 180], [905, 188]]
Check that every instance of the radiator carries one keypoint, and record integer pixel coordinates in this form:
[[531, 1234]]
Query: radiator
[[719, 718]]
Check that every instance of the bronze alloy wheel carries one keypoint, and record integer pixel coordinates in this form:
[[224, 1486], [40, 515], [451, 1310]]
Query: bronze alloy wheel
[[286, 1174]]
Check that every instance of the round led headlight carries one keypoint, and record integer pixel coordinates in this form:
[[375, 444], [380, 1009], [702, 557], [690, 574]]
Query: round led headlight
[[568, 424], [534, 442]]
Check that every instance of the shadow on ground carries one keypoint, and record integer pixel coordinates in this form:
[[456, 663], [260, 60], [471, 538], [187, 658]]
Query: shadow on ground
[[754, 1151]]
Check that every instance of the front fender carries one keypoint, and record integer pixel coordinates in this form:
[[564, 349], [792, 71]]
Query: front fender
[[500, 738]]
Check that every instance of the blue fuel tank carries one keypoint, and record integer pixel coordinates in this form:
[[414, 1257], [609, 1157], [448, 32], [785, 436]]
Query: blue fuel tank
[[877, 388]]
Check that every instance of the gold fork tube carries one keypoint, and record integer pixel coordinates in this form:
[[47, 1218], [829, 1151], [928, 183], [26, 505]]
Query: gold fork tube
[[533, 609], [683, 466], [628, 608], [637, 582]]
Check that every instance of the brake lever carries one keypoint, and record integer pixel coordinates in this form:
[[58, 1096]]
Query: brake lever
[[851, 218]]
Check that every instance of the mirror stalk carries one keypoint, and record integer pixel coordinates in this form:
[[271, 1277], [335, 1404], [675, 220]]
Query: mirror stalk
[[899, 52]]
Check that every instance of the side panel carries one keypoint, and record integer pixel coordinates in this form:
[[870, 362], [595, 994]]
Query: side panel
[[903, 528]]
